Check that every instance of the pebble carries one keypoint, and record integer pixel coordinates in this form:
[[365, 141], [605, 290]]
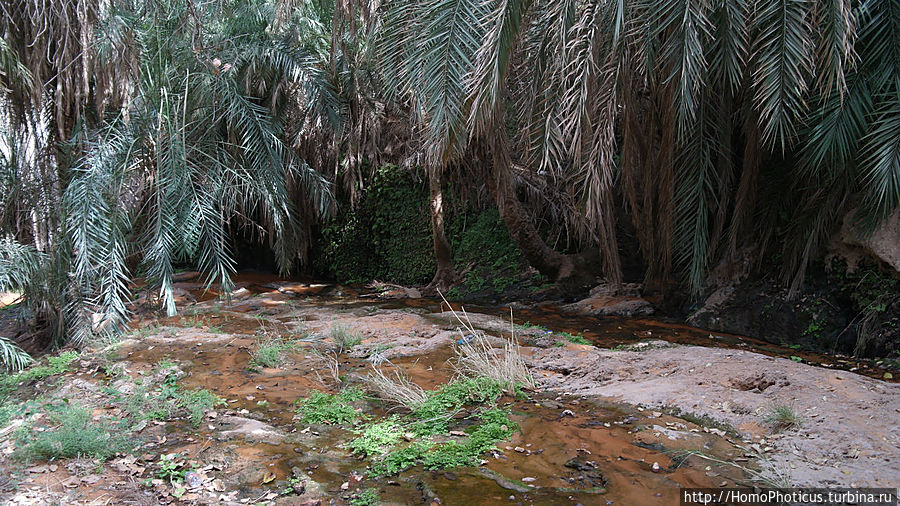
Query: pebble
[[655, 467]]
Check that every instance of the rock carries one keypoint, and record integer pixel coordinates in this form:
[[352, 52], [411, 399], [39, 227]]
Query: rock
[[192, 479], [609, 304], [883, 244], [655, 467], [248, 429]]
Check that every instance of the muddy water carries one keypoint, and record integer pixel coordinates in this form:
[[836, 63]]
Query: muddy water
[[568, 450]]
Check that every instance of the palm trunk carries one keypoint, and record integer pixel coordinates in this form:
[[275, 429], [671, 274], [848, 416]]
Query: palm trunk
[[545, 259], [444, 276]]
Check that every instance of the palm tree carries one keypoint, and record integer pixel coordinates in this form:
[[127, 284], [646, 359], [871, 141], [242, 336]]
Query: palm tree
[[189, 152], [692, 112]]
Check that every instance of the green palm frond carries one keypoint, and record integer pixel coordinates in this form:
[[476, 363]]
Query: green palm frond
[[836, 54], [783, 65], [487, 80], [12, 357], [685, 29], [880, 163], [729, 44]]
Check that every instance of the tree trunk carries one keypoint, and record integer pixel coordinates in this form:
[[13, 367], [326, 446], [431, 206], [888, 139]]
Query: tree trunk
[[445, 275], [499, 179]]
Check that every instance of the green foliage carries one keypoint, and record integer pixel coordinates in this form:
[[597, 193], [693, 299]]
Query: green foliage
[[783, 416], [12, 358], [864, 287], [71, 434], [377, 437], [577, 339], [57, 364], [494, 426], [386, 236], [197, 403], [270, 353], [368, 497], [480, 241], [532, 326], [397, 443], [163, 401], [170, 468], [441, 404], [399, 459], [320, 407], [482, 238], [344, 338]]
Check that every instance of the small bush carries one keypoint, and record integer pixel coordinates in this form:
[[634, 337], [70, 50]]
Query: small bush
[[270, 353], [377, 438], [73, 435], [368, 497], [579, 339]]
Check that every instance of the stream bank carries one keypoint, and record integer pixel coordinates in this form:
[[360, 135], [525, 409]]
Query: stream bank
[[626, 425]]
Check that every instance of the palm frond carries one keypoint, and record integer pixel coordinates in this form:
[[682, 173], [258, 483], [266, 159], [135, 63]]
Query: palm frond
[[782, 68]]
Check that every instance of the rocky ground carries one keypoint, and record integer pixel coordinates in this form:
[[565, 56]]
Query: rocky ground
[[602, 426]]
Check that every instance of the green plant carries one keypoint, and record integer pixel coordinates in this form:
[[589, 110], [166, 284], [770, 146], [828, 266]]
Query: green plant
[[12, 358], [368, 497], [70, 433], [783, 417], [197, 403], [577, 339], [58, 364], [320, 407], [442, 404], [377, 438], [344, 338], [170, 467], [531, 326], [270, 353]]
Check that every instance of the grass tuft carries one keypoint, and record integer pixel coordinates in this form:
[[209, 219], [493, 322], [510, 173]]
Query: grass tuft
[[197, 403], [783, 417], [398, 390], [270, 353], [344, 338]]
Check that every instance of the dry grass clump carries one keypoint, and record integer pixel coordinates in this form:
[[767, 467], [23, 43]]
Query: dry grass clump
[[477, 357], [398, 389]]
